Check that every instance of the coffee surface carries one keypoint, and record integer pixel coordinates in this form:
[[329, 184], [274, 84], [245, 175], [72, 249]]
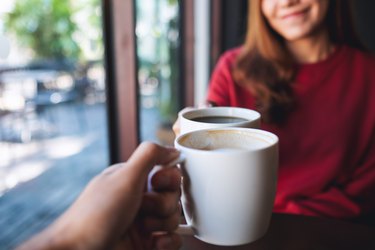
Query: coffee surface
[[219, 119], [224, 141]]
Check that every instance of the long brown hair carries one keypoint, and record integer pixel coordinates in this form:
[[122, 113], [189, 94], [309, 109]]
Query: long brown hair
[[265, 66]]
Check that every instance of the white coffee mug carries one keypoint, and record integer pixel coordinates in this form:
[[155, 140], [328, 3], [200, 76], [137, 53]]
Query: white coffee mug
[[216, 117], [229, 183]]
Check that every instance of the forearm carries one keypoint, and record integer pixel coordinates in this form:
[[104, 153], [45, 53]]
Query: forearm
[[50, 238]]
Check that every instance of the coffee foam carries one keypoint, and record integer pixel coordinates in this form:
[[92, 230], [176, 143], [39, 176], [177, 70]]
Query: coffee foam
[[218, 140]]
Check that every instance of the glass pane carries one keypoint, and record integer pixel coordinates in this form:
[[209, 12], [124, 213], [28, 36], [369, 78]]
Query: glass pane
[[158, 40], [53, 130]]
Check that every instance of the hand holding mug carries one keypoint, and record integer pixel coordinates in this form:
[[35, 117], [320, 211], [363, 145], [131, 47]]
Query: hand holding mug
[[117, 211]]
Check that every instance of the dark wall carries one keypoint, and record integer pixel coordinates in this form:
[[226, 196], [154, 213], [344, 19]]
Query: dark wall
[[364, 14], [234, 22], [234, 14]]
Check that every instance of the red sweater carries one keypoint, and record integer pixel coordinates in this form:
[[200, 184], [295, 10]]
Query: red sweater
[[327, 146]]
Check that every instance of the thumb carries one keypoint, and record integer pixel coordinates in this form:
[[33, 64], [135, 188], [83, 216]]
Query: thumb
[[145, 157]]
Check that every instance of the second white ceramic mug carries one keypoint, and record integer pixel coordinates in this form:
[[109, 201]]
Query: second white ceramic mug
[[229, 183], [193, 119]]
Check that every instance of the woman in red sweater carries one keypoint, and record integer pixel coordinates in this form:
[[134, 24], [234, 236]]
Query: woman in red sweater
[[302, 67]]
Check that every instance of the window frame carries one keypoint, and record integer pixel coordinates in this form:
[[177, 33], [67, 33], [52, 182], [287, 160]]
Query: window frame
[[121, 67]]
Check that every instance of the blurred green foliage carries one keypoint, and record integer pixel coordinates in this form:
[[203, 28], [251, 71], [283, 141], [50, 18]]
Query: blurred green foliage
[[172, 2], [47, 26]]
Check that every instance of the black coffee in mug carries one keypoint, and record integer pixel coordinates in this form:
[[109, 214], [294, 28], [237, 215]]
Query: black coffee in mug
[[219, 119]]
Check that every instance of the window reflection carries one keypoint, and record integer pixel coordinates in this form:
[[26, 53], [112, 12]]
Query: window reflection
[[53, 131]]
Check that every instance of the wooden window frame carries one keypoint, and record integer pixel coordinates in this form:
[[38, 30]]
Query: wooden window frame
[[121, 68], [187, 46], [216, 31]]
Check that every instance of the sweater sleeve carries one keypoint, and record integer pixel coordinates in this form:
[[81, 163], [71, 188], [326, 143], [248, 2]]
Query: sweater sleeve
[[353, 199]]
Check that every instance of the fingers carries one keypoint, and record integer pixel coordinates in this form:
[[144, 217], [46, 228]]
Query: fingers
[[166, 179], [167, 241], [162, 205], [164, 193], [160, 209], [160, 223]]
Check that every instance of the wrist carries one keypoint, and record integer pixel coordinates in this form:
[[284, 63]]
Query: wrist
[[51, 238]]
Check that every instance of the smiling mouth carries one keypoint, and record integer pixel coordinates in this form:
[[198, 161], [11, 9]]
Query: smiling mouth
[[295, 14]]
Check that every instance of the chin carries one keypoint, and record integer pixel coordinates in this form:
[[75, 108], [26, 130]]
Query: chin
[[296, 35], [294, 38]]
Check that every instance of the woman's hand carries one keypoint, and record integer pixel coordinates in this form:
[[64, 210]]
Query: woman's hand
[[116, 211]]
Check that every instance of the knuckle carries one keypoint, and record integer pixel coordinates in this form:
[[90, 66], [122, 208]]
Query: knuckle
[[172, 222], [166, 207]]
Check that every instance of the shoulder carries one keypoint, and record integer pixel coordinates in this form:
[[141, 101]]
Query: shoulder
[[222, 73], [361, 65], [228, 58], [226, 63], [359, 56]]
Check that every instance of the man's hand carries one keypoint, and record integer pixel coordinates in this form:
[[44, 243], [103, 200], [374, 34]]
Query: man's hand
[[116, 211]]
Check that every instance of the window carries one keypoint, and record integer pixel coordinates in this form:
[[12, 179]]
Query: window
[[53, 116], [158, 57], [128, 73], [56, 95]]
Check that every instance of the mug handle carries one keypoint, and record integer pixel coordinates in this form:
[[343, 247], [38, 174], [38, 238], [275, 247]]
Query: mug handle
[[183, 229]]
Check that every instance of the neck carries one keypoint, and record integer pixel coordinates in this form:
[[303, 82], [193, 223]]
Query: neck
[[311, 49]]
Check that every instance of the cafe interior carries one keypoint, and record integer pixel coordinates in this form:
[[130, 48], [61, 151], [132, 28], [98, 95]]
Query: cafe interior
[[84, 82]]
